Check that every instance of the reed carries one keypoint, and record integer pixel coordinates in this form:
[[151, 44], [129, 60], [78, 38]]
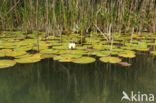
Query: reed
[[54, 16]]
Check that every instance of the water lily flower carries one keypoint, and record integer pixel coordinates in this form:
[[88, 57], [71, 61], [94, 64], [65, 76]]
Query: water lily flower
[[71, 45]]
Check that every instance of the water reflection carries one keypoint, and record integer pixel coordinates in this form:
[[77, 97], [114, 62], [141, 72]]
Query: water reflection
[[52, 82]]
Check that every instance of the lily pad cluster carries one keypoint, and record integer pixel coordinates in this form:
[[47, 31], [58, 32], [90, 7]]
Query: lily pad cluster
[[36, 46]]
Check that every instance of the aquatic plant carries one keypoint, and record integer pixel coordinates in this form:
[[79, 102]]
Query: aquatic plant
[[110, 59], [25, 50], [84, 60], [83, 16], [7, 63]]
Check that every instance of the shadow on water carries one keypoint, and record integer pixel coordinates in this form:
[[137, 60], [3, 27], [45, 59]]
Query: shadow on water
[[49, 81]]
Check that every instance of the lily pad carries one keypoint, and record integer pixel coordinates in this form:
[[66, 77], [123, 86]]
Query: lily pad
[[31, 59], [66, 57], [99, 46], [66, 60], [57, 57], [84, 60], [101, 53], [127, 54], [142, 49], [48, 55], [24, 56], [110, 59], [7, 63], [23, 48], [60, 47], [2, 55], [51, 51], [40, 47], [153, 52], [125, 64], [77, 52], [16, 53], [71, 55], [5, 51]]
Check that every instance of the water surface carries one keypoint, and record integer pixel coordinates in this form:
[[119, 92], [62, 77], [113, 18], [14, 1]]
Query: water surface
[[50, 81]]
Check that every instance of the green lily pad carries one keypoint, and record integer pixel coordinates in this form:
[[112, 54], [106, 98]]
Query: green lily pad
[[51, 51], [127, 54], [24, 56], [40, 47], [2, 55], [66, 57], [16, 53], [125, 64], [81, 47], [5, 51], [23, 48], [153, 52], [7, 63], [84, 60], [57, 57], [101, 53], [142, 44], [77, 52], [127, 47], [92, 40], [142, 49], [110, 59], [151, 44], [60, 47], [9, 45], [71, 55], [48, 55], [27, 60], [66, 60], [99, 46], [31, 59]]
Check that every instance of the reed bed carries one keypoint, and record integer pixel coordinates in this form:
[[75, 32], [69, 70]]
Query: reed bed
[[83, 16]]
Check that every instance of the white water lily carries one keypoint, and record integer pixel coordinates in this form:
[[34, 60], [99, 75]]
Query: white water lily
[[71, 45]]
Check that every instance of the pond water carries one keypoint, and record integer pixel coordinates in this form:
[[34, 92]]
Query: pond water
[[50, 81]]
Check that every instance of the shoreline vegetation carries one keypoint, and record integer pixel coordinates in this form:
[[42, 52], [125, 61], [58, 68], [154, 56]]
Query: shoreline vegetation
[[81, 16], [112, 31]]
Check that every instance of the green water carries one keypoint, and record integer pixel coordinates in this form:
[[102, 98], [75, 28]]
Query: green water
[[50, 81]]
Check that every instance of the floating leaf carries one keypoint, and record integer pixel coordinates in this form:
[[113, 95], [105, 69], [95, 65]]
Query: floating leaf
[[32, 59], [7, 63], [79, 52], [110, 59], [23, 48], [153, 52], [66, 60], [15, 53], [57, 57], [67, 57], [104, 59], [124, 64], [84, 60], [142, 49], [5, 51], [71, 55], [127, 54], [51, 51], [2, 55], [24, 56], [60, 47], [101, 53], [48, 55]]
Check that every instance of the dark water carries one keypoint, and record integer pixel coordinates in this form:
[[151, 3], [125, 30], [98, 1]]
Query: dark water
[[52, 82]]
